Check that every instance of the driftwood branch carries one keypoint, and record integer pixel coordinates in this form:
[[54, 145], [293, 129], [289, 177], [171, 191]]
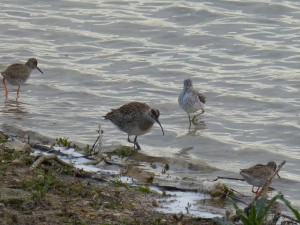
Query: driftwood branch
[[77, 172], [59, 153], [98, 141], [265, 187], [45, 158], [228, 178], [44, 148], [113, 163]]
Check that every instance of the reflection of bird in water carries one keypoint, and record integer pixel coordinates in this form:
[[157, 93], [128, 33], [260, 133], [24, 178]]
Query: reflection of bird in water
[[14, 106], [17, 74], [199, 127], [134, 118], [191, 100], [257, 175]]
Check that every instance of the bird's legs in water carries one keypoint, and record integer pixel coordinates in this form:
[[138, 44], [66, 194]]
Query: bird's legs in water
[[194, 117], [136, 145], [18, 92], [6, 91], [190, 122]]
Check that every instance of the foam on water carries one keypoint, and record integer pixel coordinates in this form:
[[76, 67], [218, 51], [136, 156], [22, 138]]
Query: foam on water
[[185, 202]]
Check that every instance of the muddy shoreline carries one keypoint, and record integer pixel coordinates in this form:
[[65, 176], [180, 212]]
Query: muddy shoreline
[[38, 186], [55, 194]]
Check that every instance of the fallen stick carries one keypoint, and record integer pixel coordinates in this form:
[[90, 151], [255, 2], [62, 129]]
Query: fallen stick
[[44, 148], [98, 141], [113, 163], [58, 152], [228, 178], [45, 158]]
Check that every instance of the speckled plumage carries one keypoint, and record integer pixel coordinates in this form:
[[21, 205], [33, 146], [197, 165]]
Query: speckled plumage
[[257, 175], [17, 74], [191, 100], [134, 118]]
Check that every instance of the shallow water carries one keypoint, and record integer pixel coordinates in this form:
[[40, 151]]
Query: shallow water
[[175, 201], [244, 56]]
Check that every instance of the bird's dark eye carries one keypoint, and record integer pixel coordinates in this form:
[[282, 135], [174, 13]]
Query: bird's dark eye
[[155, 113]]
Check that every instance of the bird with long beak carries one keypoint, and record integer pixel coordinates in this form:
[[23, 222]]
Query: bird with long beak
[[134, 118], [17, 74]]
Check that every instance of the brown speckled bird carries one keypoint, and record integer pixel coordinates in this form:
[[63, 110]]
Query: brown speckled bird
[[17, 74], [134, 118], [257, 175]]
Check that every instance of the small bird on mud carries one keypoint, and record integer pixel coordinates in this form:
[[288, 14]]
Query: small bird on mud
[[258, 175], [134, 118], [17, 74], [191, 100]]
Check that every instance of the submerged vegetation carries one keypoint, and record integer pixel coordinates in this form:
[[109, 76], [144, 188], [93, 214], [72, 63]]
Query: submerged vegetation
[[64, 142], [257, 212], [122, 152]]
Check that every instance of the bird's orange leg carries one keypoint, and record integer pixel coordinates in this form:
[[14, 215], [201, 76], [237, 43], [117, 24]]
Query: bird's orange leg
[[6, 92], [256, 192]]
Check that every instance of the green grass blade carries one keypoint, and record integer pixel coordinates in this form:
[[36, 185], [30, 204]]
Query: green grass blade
[[288, 204]]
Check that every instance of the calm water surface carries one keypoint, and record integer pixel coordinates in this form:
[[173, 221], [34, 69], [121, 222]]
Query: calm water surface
[[98, 55]]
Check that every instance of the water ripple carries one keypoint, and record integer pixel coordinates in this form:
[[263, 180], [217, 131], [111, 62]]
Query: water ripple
[[243, 55]]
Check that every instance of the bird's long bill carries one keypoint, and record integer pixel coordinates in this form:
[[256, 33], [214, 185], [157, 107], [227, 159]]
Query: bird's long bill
[[278, 175], [40, 70], [159, 125]]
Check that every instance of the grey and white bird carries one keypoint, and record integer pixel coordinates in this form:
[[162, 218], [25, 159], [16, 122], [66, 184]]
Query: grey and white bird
[[191, 100], [134, 118]]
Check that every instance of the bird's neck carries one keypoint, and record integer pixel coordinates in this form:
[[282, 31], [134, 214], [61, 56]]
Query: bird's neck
[[188, 89]]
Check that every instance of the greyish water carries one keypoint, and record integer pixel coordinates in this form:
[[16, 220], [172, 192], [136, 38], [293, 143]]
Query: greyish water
[[97, 55]]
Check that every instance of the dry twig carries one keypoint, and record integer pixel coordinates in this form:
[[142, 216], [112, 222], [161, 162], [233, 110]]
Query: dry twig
[[45, 158], [228, 178]]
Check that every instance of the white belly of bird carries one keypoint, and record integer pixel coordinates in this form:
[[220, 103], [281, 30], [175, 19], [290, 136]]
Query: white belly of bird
[[137, 131], [191, 104]]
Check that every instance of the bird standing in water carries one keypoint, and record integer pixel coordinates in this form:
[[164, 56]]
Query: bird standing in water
[[17, 74], [134, 118], [191, 100]]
